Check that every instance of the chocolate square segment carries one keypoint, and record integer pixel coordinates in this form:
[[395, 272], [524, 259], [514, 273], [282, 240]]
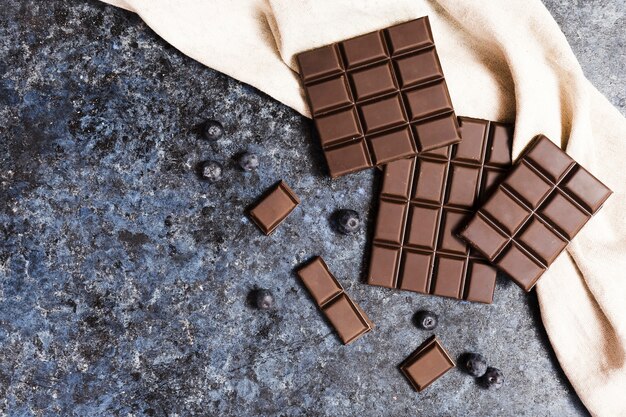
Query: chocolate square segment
[[319, 63], [348, 157], [419, 249], [320, 282], [382, 115], [338, 127], [387, 146], [328, 95], [385, 90], [419, 68], [348, 319], [364, 49], [537, 209], [410, 36], [427, 364], [274, 207], [372, 82]]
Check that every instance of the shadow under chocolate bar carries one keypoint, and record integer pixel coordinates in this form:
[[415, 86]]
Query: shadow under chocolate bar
[[536, 211], [423, 203], [378, 97]]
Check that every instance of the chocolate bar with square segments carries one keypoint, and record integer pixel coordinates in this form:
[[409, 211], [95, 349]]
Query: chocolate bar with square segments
[[349, 321], [378, 97], [541, 205], [424, 201], [427, 364], [274, 207]]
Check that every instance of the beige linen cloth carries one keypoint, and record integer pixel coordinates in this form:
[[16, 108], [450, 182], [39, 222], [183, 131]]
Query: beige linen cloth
[[503, 60]]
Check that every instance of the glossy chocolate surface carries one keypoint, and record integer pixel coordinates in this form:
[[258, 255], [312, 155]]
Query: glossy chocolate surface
[[349, 321], [424, 201], [378, 97], [427, 364], [274, 207], [540, 206]]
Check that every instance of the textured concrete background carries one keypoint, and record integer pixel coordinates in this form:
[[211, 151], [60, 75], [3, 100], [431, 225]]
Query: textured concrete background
[[123, 279]]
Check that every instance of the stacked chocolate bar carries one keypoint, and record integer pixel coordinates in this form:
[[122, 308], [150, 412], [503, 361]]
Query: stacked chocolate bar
[[453, 208]]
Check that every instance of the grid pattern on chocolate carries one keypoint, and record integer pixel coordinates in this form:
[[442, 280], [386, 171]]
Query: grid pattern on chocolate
[[378, 97], [427, 364], [348, 319], [423, 203], [535, 212], [274, 207]]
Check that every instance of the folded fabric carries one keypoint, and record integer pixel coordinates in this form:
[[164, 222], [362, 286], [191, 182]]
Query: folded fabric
[[503, 61]]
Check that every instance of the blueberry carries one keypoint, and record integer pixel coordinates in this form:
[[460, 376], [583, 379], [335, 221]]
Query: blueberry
[[426, 320], [212, 130], [474, 364], [249, 161], [493, 378], [211, 171], [263, 299], [347, 222]]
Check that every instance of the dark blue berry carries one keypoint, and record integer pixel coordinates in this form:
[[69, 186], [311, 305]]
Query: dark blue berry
[[347, 222], [474, 364], [493, 378], [426, 320], [212, 130], [249, 161], [211, 171], [263, 299]]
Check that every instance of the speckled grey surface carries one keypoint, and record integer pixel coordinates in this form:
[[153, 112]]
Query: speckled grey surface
[[123, 279]]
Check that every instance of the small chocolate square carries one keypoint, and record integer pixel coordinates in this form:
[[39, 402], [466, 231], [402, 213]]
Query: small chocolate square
[[419, 68], [372, 82], [274, 207], [427, 364], [427, 101], [349, 157], [423, 227], [383, 270], [449, 276], [506, 211], [381, 115], [390, 222], [364, 49], [410, 36], [416, 271]]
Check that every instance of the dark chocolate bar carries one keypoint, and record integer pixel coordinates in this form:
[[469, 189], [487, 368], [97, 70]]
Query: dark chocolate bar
[[422, 204], [345, 315], [378, 97], [274, 207], [429, 362], [541, 205]]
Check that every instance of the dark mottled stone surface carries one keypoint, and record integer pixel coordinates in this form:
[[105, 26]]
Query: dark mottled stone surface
[[124, 279]]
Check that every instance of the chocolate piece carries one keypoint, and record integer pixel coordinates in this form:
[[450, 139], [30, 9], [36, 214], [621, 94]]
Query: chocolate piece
[[274, 207], [345, 315], [429, 362], [423, 202], [540, 206], [378, 97]]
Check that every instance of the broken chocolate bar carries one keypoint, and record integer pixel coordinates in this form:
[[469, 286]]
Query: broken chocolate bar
[[540, 206], [378, 97], [424, 201], [345, 315]]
